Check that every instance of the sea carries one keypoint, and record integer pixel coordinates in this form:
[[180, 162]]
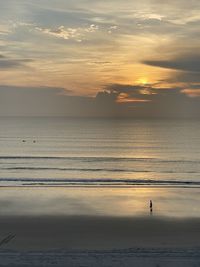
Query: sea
[[99, 152]]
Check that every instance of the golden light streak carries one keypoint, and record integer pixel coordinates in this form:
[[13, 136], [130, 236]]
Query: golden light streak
[[124, 98]]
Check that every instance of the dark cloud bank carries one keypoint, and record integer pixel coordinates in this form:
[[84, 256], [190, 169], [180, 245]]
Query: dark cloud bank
[[185, 62], [47, 101]]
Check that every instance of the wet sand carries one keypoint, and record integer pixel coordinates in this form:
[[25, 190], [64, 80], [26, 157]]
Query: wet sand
[[97, 232]]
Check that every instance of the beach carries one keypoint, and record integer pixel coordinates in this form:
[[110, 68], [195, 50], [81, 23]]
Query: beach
[[86, 232], [99, 241], [38, 235]]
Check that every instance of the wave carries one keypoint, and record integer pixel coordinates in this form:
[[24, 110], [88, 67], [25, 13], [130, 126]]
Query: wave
[[70, 169], [93, 170], [103, 159], [98, 182]]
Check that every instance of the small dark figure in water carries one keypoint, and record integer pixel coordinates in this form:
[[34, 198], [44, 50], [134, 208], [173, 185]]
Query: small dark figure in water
[[151, 206]]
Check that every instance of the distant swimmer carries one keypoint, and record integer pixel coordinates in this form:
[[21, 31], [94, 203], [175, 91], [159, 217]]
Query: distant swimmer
[[34, 141], [151, 206], [23, 141]]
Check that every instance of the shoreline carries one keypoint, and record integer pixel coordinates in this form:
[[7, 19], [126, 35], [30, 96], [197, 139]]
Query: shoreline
[[118, 258]]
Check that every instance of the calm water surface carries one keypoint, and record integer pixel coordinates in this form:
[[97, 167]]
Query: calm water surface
[[99, 152]]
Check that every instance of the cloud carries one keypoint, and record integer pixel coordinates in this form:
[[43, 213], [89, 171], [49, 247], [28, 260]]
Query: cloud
[[104, 96], [61, 32], [188, 62], [8, 63], [55, 101], [84, 44], [77, 34], [4, 30], [154, 100], [30, 101], [191, 92], [132, 93]]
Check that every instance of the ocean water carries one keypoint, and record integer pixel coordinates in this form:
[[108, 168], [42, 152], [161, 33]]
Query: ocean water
[[98, 152]]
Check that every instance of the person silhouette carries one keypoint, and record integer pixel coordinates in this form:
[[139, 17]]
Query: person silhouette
[[151, 206]]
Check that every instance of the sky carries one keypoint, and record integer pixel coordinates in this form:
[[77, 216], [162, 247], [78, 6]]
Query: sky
[[111, 58]]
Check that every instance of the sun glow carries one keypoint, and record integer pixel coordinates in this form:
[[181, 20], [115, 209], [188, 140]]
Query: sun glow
[[142, 81]]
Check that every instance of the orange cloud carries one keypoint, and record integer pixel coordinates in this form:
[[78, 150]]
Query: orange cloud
[[125, 98], [191, 92]]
